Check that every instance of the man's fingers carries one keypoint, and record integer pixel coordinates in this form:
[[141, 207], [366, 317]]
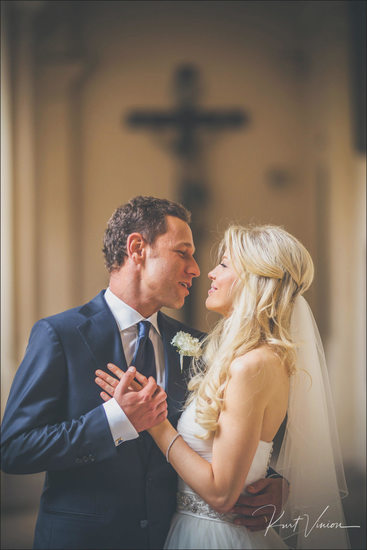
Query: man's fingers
[[149, 389], [245, 511], [244, 501], [162, 416], [141, 378], [261, 508], [253, 527], [159, 395], [253, 523], [126, 380], [135, 385], [162, 410], [254, 501], [162, 406], [258, 500], [258, 486]]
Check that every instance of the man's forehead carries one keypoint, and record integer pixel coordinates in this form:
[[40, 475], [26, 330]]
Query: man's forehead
[[177, 240], [179, 231], [187, 244]]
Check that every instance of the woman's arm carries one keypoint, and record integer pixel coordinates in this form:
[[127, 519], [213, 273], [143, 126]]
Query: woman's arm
[[264, 491], [221, 482]]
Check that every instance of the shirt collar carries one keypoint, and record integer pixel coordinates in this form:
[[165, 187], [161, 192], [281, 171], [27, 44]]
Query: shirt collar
[[125, 315]]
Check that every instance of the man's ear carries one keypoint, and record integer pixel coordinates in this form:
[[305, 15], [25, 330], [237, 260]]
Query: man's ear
[[135, 247]]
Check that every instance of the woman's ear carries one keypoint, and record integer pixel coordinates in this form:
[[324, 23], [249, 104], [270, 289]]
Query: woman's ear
[[135, 247]]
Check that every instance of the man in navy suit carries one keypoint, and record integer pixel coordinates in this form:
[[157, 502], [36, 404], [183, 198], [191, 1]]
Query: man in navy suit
[[107, 484]]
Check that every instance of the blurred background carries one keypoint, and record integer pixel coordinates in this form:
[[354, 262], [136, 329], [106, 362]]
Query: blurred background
[[252, 112]]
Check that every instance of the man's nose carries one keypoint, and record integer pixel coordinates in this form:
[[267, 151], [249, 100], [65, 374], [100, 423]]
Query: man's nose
[[194, 269]]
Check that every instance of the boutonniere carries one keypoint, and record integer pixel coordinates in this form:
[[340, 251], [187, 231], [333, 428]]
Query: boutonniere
[[186, 345]]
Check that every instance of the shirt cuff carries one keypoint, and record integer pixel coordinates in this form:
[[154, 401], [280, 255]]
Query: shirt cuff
[[120, 426]]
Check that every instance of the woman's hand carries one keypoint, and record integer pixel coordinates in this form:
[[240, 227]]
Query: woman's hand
[[109, 383], [142, 400]]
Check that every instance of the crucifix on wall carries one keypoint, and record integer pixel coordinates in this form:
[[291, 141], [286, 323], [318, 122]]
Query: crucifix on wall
[[183, 131]]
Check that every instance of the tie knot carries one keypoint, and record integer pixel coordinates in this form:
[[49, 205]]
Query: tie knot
[[143, 329]]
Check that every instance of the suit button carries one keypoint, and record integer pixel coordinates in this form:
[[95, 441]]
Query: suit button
[[91, 458], [85, 459], [143, 523]]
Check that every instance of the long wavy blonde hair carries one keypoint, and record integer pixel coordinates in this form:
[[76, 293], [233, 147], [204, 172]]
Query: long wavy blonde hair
[[272, 268]]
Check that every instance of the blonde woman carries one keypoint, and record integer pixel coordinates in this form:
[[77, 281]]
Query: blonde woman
[[253, 371]]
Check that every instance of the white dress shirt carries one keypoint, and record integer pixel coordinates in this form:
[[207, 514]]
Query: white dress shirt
[[127, 318]]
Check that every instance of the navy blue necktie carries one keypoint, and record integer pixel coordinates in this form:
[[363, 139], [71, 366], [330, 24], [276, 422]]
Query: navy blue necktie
[[144, 359]]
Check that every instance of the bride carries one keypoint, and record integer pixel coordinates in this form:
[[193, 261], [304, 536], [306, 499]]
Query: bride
[[261, 363]]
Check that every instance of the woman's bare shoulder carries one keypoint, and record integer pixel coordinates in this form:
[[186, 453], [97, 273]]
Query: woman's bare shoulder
[[260, 361]]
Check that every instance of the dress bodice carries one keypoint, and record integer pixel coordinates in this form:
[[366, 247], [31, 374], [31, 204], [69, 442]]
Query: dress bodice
[[190, 429], [195, 524]]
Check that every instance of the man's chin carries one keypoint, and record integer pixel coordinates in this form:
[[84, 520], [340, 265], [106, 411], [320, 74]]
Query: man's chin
[[176, 304]]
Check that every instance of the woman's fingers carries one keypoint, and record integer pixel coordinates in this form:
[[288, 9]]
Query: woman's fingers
[[113, 382], [105, 396], [140, 378], [107, 378], [140, 381], [116, 370], [105, 386]]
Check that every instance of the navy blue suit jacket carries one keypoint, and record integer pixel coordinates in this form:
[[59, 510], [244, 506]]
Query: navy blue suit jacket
[[96, 495]]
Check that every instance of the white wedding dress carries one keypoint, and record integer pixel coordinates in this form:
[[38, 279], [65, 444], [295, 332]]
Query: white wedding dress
[[195, 524]]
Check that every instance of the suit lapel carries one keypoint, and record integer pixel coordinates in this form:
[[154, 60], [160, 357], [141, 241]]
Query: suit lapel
[[101, 334]]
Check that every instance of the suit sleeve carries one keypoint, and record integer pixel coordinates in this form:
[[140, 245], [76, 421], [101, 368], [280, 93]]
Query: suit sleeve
[[35, 435]]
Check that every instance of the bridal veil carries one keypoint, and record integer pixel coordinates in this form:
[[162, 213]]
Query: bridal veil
[[310, 457]]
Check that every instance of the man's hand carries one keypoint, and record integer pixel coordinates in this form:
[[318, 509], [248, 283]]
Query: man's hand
[[144, 403], [264, 503]]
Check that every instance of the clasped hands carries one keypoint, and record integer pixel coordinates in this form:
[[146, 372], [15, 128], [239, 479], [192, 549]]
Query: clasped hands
[[145, 405], [142, 400]]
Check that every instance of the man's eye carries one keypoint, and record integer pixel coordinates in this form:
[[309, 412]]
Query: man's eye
[[181, 252]]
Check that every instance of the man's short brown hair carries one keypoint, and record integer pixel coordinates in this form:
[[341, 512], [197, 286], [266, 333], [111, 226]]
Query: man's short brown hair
[[145, 215]]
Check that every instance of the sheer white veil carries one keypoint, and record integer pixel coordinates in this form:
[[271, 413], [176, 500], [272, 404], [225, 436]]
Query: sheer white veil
[[310, 457]]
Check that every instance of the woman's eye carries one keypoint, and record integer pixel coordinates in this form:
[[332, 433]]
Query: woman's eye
[[222, 264]]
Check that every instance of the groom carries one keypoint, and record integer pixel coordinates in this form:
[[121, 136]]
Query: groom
[[107, 484]]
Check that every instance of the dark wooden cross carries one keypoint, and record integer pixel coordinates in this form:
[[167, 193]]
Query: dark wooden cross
[[182, 130]]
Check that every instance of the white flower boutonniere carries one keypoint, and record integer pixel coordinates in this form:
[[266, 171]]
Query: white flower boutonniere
[[186, 345]]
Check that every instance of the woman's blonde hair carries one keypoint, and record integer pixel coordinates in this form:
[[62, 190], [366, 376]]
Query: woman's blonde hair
[[273, 267]]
